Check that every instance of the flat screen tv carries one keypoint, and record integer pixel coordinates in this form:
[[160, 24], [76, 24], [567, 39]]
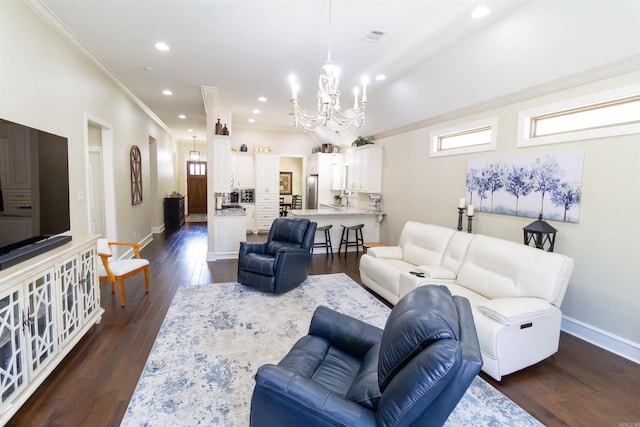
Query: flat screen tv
[[34, 192]]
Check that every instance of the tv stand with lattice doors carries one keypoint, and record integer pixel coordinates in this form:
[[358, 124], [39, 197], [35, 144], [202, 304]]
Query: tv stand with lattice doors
[[47, 304]]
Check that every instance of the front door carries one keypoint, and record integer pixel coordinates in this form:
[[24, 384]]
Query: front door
[[197, 187]]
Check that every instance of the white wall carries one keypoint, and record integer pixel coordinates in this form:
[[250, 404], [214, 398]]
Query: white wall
[[47, 84], [603, 296]]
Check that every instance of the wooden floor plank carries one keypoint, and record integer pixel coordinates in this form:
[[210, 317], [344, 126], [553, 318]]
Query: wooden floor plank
[[582, 385]]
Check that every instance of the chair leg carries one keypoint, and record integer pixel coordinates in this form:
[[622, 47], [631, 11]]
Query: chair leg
[[113, 287], [327, 240], [146, 278], [121, 288]]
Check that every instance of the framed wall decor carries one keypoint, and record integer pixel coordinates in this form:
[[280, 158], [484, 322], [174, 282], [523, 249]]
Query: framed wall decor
[[285, 182], [135, 159]]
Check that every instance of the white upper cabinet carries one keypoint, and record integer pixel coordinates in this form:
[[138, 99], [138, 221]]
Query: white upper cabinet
[[221, 164], [242, 170], [365, 169], [267, 173]]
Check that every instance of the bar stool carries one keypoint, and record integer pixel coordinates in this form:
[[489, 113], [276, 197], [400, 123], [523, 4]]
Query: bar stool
[[327, 239], [358, 242]]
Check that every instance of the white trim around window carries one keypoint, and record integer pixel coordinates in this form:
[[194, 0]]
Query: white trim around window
[[486, 129], [589, 103]]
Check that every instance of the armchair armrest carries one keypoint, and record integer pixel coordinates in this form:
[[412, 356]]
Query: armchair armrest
[[253, 247], [392, 252], [510, 311], [300, 401], [351, 335], [135, 246]]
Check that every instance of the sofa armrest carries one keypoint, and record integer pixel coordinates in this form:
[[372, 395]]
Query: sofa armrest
[[436, 272], [510, 311], [345, 332], [392, 252], [282, 397]]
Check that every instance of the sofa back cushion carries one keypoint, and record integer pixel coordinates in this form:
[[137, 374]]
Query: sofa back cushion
[[498, 268], [456, 250], [424, 244]]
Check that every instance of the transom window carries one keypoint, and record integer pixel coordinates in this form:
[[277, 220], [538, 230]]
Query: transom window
[[610, 113], [466, 138]]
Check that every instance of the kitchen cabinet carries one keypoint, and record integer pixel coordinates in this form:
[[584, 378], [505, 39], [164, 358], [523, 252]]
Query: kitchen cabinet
[[267, 173], [242, 170], [46, 305], [221, 164], [364, 169], [229, 231], [250, 217], [267, 189]]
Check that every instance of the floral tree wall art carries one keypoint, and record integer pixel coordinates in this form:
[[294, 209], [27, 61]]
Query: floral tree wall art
[[549, 185]]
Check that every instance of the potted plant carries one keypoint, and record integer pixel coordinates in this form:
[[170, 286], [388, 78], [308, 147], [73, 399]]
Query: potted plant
[[362, 141]]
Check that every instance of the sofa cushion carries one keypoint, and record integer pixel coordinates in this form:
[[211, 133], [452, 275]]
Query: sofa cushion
[[424, 243], [498, 268], [510, 311], [365, 390], [424, 316], [257, 263]]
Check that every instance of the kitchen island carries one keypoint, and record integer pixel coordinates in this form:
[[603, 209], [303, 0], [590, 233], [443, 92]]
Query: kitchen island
[[340, 215]]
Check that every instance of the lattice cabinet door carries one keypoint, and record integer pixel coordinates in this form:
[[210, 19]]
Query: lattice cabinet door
[[71, 298], [41, 325], [13, 377], [88, 282]]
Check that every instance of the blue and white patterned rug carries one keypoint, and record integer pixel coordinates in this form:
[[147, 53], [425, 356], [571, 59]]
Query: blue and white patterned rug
[[214, 337]]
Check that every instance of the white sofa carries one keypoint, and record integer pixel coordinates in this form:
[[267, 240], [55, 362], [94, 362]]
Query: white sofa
[[515, 290]]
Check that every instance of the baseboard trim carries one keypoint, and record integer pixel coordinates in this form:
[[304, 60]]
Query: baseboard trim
[[157, 230], [603, 339]]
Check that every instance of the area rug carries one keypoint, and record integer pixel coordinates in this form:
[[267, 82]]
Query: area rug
[[214, 337], [196, 218]]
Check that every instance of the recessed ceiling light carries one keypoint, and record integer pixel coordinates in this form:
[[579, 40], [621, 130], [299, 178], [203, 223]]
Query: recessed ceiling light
[[162, 46], [182, 116], [252, 120], [190, 130], [480, 12], [262, 99], [167, 92], [148, 68], [256, 111], [380, 77]]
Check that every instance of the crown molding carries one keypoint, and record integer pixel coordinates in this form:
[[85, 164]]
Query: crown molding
[[47, 15]]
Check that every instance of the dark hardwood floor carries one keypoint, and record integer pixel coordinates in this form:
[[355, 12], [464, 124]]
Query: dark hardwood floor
[[582, 385]]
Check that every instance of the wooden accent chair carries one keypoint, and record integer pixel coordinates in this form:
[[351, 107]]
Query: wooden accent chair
[[118, 270]]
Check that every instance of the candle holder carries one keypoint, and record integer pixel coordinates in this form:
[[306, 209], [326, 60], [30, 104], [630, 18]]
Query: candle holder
[[460, 210], [469, 221]]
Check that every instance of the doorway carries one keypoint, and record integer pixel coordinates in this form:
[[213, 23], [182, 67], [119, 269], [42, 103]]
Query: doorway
[[196, 187]]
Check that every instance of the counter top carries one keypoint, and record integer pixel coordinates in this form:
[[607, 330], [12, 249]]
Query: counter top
[[230, 212], [325, 210]]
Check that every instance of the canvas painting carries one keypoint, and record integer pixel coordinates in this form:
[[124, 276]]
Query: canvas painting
[[549, 185]]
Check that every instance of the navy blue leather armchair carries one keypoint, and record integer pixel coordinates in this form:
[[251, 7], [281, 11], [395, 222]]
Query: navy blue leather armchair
[[348, 373], [281, 263]]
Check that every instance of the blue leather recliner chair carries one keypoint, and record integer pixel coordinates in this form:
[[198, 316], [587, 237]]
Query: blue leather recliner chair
[[348, 373], [281, 263]]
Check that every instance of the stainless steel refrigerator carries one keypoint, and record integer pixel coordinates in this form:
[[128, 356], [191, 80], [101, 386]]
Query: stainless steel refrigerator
[[312, 192]]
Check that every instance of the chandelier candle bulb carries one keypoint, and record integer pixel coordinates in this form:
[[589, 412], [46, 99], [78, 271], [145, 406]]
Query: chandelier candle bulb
[[470, 210], [461, 203], [356, 91]]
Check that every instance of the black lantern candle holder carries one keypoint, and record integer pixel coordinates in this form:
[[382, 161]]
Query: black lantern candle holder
[[541, 234]]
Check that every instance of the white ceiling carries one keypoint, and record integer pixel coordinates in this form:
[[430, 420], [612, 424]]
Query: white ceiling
[[436, 57]]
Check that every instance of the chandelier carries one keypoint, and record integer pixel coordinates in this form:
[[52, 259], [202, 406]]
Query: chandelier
[[329, 113]]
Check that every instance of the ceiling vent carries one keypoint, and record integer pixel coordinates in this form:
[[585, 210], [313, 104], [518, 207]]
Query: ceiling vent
[[373, 36]]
